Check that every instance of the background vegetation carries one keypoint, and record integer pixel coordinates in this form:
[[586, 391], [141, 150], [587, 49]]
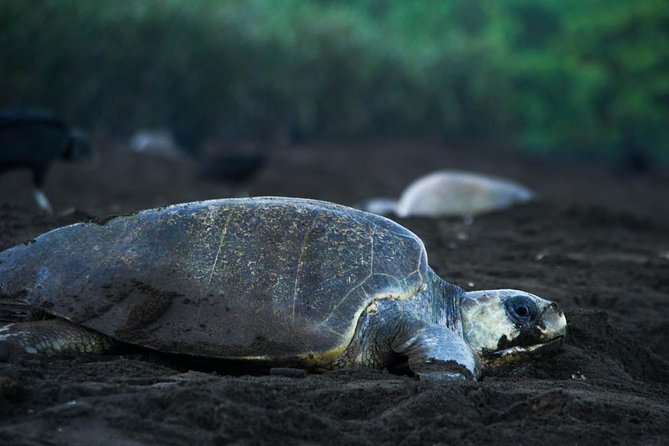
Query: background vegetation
[[552, 75]]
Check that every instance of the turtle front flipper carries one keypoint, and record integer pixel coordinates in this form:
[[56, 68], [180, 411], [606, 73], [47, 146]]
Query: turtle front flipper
[[389, 330], [54, 337], [438, 353]]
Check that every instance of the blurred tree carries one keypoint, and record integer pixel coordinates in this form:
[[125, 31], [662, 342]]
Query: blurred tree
[[551, 75]]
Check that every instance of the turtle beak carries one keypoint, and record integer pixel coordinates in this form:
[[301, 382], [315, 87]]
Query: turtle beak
[[552, 324]]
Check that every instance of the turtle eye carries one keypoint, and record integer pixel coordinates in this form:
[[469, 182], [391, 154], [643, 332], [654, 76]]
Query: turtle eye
[[521, 308]]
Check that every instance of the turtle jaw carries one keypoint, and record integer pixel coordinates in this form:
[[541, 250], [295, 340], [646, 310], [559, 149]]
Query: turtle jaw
[[499, 358], [518, 352]]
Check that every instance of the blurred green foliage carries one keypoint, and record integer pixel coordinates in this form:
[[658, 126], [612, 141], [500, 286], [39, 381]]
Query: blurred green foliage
[[553, 75]]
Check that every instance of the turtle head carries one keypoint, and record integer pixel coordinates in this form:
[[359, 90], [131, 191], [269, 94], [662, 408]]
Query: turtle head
[[506, 325]]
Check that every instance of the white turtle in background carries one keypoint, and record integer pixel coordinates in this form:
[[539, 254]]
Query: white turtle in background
[[452, 193], [157, 142], [379, 205]]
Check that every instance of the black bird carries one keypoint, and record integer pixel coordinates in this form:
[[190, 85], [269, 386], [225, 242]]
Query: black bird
[[33, 139]]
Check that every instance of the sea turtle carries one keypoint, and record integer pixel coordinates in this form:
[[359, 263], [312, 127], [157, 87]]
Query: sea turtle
[[282, 281], [452, 193]]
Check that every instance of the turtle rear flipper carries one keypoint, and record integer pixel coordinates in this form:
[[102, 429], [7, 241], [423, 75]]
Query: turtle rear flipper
[[54, 337], [438, 353]]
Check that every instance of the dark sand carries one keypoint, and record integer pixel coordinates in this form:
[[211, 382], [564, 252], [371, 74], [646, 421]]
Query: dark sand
[[597, 243]]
